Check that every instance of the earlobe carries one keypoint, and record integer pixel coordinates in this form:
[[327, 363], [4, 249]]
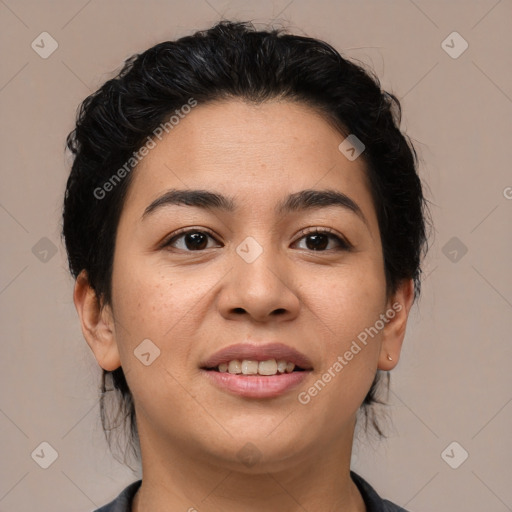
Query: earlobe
[[97, 324], [397, 313]]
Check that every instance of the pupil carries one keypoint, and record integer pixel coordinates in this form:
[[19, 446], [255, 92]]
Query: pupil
[[316, 244], [195, 240]]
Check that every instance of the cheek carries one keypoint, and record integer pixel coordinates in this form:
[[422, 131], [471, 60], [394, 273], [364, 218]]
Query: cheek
[[165, 305], [347, 300], [146, 293], [154, 325], [145, 302], [345, 306], [343, 311]]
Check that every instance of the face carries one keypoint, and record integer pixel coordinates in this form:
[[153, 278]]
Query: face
[[190, 280]]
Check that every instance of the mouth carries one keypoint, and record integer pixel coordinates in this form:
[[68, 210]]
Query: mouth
[[257, 371]]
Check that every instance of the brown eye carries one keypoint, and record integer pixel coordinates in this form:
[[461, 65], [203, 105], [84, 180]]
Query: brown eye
[[191, 240], [318, 240]]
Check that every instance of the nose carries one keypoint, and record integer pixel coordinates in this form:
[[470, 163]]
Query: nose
[[262, 289]]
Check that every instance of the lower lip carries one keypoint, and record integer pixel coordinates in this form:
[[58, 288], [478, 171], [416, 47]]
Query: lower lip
[[256, 386]]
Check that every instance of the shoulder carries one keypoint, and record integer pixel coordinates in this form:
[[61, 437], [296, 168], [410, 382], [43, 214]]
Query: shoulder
[[373, 502], [123, 502]]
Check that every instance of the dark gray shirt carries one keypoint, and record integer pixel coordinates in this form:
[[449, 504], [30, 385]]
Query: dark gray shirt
[[373, 502]]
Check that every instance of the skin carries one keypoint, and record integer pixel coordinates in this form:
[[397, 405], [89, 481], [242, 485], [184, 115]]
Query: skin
[[191, 303]]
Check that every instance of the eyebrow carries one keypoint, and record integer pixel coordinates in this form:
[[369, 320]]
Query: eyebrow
[[298, 201]]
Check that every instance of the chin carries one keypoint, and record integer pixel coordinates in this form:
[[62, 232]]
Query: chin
[[259, 450]]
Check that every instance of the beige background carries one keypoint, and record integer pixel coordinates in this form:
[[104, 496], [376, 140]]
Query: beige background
[[453, 382]]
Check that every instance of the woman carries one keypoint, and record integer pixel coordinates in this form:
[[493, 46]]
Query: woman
[[245, 224]]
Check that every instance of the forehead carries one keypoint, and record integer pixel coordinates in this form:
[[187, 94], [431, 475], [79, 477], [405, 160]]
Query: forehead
[[257, 152]]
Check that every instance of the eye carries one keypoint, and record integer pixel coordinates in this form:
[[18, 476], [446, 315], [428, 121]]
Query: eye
[[197, 240], [192, 240], [319, 239]]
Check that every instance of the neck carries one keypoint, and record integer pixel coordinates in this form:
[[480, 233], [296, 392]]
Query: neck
[[175, 479]]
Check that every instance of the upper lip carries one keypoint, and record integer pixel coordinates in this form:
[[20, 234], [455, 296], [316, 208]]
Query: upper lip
[[257, 352]]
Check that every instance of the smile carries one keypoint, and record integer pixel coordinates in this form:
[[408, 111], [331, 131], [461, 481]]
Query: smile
[[251, 367]]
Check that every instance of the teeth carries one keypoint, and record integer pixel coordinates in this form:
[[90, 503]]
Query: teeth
[[250, 367], [234, 367], [281, 366], [267, 367]]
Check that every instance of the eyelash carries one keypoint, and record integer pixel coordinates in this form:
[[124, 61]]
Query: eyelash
[[344, 245]]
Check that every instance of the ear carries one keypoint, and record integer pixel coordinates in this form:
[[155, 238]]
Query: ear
[[394, 331], [97, 324]]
